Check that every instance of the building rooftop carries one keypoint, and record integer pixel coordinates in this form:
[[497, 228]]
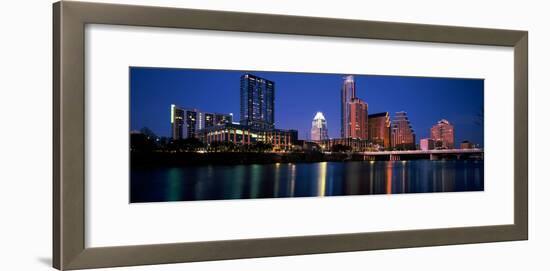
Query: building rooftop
[[376, 115], [318, 116]]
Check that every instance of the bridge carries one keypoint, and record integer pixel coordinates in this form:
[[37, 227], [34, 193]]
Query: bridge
[[456, 154]]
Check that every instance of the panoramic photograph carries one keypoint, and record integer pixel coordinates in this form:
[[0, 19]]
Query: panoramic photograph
[[200, 134]]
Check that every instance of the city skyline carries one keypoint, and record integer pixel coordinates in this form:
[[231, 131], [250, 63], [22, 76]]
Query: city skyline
[[426, 100]]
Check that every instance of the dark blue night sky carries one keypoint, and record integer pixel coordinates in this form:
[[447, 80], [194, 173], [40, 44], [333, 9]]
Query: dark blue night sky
[[298, 96]]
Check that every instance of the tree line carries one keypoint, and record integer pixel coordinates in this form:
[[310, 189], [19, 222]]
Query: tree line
[[147, 141]]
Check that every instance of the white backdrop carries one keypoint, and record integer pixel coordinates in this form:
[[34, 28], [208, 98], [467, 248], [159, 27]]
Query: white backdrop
[[25, 141]]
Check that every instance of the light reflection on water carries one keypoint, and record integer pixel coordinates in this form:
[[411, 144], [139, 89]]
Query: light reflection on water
[[322, 179], [304, 180]]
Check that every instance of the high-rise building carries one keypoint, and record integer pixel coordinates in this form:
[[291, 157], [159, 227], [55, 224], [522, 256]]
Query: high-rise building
[[358, 124], [380, 129], [176, 121], [319, 130], [403, 136], [193, 120], [213, 119], [186, 122], [257, 102], [444, 134], [347, 94]]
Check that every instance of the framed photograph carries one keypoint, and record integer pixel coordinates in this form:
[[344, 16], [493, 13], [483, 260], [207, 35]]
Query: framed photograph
[[190, 135]]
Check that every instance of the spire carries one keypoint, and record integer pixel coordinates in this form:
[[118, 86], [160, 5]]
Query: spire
[[319, 116], [349, 78]]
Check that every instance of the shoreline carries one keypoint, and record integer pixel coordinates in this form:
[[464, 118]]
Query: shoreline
[[159, 159]]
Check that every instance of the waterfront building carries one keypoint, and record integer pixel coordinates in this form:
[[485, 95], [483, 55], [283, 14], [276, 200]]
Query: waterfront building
[[347, 94], [379, 132], [466, 145], [359, 114], [305, 145], [244, 135], [186, 122], [427, 144], [176, 121], [257, 123], [192, 122], [319, 130], [403, 136], [355, 144], [443, 133], [257, 102]]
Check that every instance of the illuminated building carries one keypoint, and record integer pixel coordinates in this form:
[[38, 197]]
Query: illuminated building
[[257, 105], [245, 135], [347, 94], [257, 102], [444, 135], [354, 111], [319, 130], [176, 121], [427, 144], [403, 136], [380, 129], [213, 119], [358, 125], [186, 122]]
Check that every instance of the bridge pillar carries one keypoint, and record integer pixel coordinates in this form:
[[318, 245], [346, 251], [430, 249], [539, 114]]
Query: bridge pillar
[[433, 156], [394, 157]]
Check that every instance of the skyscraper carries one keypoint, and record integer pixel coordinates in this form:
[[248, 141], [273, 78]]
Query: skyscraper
[[444, 134], [403, 136], [257, 102], [319, 130], [176, 121], [380, 129], [359, 114], [192, 123], [347, 94]]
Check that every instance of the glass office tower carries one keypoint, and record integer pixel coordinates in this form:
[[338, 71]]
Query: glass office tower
[[257, 102], [347, 95]]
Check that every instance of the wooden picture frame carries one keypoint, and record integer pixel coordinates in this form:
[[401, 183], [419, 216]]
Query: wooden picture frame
[[69, 20]]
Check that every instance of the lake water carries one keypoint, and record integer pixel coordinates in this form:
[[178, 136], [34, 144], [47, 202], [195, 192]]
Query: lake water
[[216, 182]]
